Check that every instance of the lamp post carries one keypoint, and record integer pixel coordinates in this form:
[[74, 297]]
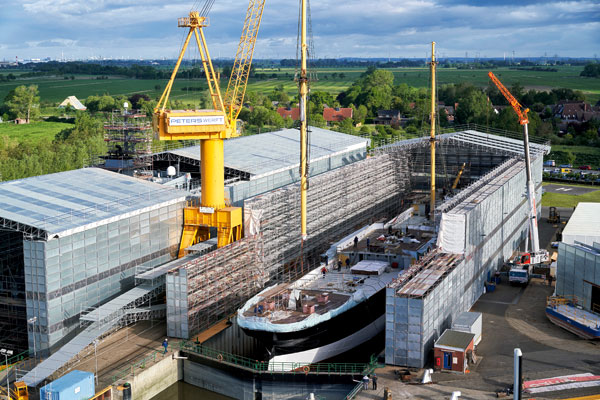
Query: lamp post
[[6, 353], [96, 358], [32, 322]]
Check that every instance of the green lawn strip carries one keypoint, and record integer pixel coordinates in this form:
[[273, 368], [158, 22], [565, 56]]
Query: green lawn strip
[[571, 184], [568, 200], [33, 131]]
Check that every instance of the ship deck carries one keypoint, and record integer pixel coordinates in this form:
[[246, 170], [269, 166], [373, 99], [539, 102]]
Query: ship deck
[[318, 294], [580, 316]]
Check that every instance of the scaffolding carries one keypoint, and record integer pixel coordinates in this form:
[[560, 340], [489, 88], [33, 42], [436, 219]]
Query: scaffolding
[[128, 135], [13, 316], [339, 201], [213, 286]]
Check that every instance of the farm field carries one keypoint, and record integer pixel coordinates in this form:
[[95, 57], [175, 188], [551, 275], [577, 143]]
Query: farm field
[[56, 89], [34, 131]]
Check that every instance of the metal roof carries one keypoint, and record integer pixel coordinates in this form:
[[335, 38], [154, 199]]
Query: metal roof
[[485, 141], [270, 152], [484, 187], [584, 225], [455, 339], [72, 201]]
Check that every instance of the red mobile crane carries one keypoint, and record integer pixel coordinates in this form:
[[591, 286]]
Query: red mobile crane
[[521, 272]]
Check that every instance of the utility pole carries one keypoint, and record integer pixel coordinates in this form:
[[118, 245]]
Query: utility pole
[[303, 87], [432, 137]]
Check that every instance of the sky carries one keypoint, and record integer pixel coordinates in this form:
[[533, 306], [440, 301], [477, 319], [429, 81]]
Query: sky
[[80, 29]]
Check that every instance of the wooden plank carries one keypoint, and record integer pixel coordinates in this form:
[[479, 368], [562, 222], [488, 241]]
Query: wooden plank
[[213, 330]]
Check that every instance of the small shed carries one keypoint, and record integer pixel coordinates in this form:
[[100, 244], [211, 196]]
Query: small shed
[[450, 350], [469, 322]]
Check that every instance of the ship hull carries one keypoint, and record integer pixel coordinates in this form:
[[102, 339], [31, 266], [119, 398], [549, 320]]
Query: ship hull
[[362, 317], [572, 326], [318, 354]]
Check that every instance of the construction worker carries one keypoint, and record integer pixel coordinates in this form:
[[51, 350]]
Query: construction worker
[[339, 265], [355, 242], [165, 345], [374, 380]]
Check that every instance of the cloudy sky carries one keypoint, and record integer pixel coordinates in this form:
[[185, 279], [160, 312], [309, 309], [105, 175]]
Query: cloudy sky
[[349, 28]]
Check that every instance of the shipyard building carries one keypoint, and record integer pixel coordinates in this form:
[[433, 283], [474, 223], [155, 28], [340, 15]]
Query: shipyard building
[[72, 240], [78, 237], [578, 263]]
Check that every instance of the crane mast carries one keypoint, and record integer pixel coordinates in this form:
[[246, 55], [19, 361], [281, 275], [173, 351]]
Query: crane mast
[[537, 256]]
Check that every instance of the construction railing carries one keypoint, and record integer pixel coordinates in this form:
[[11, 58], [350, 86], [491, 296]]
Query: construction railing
[[138, 365], [277, 367]]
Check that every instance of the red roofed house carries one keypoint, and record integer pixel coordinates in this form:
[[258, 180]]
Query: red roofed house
[[336, 114], [287, 112]]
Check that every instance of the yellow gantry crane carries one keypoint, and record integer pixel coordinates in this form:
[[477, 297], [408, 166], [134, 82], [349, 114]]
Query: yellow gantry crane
[[211, 127]]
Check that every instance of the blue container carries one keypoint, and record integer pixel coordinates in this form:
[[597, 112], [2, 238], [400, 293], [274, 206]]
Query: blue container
[[491, 287], [76, 385]]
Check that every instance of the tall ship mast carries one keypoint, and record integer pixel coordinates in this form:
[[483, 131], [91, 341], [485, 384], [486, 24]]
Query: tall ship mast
[[303, 88], [432, 134]]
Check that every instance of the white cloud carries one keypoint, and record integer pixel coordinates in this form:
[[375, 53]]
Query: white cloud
[[350, 28]]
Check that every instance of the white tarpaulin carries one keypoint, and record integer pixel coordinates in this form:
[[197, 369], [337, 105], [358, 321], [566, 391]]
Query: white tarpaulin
[[451, 238], [252, 220]]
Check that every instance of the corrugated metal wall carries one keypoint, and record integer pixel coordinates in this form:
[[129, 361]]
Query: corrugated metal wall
[[576, 271], [495, 227], [67, 275]]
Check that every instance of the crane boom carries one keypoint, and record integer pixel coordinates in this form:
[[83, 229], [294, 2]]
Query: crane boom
[[536, 256], [519, 109], [236, 88]]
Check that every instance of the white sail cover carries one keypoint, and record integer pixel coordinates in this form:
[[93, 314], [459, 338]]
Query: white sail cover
[[451, 238]]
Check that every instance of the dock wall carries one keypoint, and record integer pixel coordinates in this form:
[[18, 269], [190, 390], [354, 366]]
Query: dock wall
[[156, 378]]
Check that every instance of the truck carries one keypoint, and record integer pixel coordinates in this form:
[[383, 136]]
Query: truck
[[520, 274]]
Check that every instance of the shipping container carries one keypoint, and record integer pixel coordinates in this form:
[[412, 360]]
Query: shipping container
[[469, 322], [76, 385]]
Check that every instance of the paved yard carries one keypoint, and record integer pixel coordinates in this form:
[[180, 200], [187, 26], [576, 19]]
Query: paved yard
[[565, 189]]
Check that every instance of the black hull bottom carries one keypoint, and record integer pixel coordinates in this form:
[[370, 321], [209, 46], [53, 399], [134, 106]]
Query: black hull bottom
[[327, 332]]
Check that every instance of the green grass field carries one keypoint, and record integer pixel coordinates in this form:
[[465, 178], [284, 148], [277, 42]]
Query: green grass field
[[569, 200], [33, 131], [56, 89], [577, 149]]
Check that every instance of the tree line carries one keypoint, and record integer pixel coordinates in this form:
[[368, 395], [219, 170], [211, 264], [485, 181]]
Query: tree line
[[71, 148]]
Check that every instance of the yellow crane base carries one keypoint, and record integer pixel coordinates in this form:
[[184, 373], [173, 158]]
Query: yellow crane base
[[197, 223]]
